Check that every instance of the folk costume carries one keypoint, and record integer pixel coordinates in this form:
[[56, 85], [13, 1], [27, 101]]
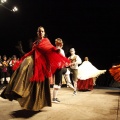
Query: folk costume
[[29, 84], [75, 62], [115, 72], [5, 70], [87, 74], [60, 73]]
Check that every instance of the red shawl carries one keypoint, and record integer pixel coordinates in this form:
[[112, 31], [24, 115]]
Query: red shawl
[[46, 60]]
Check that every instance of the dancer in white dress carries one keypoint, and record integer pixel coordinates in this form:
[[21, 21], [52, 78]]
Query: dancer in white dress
[[87, 71]]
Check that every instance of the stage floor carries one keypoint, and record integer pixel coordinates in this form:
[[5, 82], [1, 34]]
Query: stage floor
[[102, 103]]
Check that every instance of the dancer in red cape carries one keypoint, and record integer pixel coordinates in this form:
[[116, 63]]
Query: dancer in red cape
[[29, 84]]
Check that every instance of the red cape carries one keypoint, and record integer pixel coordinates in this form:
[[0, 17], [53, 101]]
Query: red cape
[[46, 60]]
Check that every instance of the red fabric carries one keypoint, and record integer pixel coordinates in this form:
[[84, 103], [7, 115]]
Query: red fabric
[[85, 84], [115, 72], [15, 64], [4, 69], [46, 60]]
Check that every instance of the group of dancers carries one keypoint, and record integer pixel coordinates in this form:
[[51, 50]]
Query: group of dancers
[[30, 81]]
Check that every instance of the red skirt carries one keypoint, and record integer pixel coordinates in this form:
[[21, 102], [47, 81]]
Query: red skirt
[[115, 72], [85, 84]]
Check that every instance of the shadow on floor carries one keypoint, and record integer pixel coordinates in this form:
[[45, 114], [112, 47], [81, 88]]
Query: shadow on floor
[[23, 114]]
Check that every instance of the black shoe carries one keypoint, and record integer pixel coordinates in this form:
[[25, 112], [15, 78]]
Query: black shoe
[[55, 100], [75, 93]]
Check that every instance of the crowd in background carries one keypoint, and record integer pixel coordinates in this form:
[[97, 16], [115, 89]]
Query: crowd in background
[[6, 68]]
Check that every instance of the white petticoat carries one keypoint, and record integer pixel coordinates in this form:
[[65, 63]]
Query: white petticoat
[[86, 70]]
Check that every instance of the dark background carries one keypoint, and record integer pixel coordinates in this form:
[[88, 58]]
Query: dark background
[[91, 27]]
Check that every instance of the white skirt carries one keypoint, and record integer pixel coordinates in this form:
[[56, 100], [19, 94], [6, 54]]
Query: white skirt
[[86, 70]]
